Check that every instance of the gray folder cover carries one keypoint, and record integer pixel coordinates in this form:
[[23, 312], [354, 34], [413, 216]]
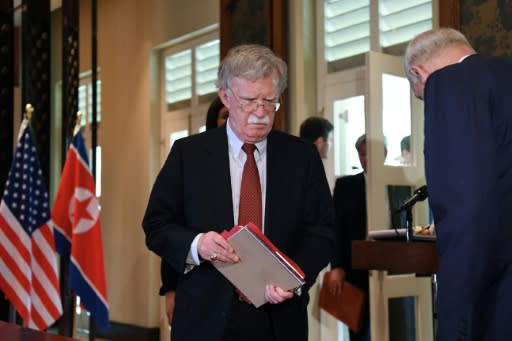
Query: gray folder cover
[[258, 266]]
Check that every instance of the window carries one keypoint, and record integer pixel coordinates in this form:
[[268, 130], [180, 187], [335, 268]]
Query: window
[[348, 27], [178, 76], [400, 21], [207, 64], [85, 107], [188, 69], [190, 73], [85, 101]]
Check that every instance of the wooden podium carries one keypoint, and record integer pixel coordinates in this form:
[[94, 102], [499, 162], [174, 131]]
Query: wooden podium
[[13, 332], [395, 256], [399, 257]]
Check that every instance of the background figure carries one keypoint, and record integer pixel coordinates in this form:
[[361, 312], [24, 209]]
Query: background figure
[[350, 210], [216, 116], [198, 193], [405, 149], [317, 130], [468, 166]]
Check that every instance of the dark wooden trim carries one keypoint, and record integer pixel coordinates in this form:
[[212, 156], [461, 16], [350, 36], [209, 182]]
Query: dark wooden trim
[[70, 69], [14, 332], [7, 74], [35, 80], [395, 256], [449, 13], [267, 25], [128, 332], [6, 89], [278, 34]]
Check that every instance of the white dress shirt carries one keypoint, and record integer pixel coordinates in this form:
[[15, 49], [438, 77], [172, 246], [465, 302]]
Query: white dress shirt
[[237, 158]]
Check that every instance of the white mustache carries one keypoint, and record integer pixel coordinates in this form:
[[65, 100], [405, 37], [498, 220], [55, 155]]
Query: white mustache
[[257, 120]]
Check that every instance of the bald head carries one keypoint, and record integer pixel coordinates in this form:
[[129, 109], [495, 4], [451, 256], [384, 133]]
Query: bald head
[[431, 51]]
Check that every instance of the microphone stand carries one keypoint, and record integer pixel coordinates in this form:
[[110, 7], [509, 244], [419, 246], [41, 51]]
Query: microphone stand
[[408, 224], [433, 277]]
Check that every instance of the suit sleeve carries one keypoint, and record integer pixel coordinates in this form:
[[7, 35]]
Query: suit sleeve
[[318, 220], [341, 254], [164, 218], [169, 278]]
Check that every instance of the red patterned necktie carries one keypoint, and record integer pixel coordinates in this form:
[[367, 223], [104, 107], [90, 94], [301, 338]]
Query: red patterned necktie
[[250, 190]]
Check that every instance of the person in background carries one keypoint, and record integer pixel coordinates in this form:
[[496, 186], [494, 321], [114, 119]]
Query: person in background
[[317, 130], [350, 208], [468, 167], [216, 116], [405, 149], [197, 195]]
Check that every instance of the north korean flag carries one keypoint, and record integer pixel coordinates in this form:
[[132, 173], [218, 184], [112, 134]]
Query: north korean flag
[[78, 235]]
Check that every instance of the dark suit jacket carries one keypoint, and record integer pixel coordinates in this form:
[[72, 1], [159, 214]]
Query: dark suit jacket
[[192, 194], [350, 208], [468, 160], [169, 278]]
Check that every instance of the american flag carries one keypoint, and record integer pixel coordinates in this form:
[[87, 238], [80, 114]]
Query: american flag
[[28, 264], [76, 213]]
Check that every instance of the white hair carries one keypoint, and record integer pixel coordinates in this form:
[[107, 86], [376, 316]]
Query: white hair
[[428, 45]]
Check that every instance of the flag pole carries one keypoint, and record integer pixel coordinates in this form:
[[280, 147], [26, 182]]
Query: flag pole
[[94, 123], [29, 109], [38, 306], [66, 325], [11, 317], [77, 235]]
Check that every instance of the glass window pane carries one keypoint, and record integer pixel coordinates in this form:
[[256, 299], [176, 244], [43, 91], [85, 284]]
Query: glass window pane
[[346, 27], [396, 116], [207, 64], [178, 76], [349, 124], [98, 101], [401, 20], [402, 318], [82, 103]]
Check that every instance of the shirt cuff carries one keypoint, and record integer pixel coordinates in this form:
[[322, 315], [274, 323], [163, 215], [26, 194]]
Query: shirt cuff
[[193, 255]]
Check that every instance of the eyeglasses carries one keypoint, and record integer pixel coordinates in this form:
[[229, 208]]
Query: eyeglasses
[[249, 105]]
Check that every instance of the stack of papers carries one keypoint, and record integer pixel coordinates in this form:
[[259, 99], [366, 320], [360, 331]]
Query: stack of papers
[[398, 234]]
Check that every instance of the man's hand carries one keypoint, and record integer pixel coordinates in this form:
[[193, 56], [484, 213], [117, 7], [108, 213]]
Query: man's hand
[[170, 297], [335, 280], [276, 295], [213, 247]]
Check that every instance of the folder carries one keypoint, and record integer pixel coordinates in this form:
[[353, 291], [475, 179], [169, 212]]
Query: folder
[[347, 305], [261, 263]]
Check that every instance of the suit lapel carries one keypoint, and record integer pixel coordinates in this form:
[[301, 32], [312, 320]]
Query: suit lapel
[[217, 157], [273, 176]]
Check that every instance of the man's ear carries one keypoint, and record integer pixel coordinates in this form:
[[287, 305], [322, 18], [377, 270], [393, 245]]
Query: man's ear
[[320, 143], [419, 72], [319, 140], [223, 96]]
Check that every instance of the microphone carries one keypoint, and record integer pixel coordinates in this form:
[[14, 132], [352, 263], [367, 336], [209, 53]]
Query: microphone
[[419, 194]]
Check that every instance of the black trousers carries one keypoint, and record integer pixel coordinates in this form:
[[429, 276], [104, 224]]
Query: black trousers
[[247, 323]]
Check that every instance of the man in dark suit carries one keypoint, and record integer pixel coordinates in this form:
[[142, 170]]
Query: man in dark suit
[[350, 209], [468, 161], [197, 194], [216, 116]]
